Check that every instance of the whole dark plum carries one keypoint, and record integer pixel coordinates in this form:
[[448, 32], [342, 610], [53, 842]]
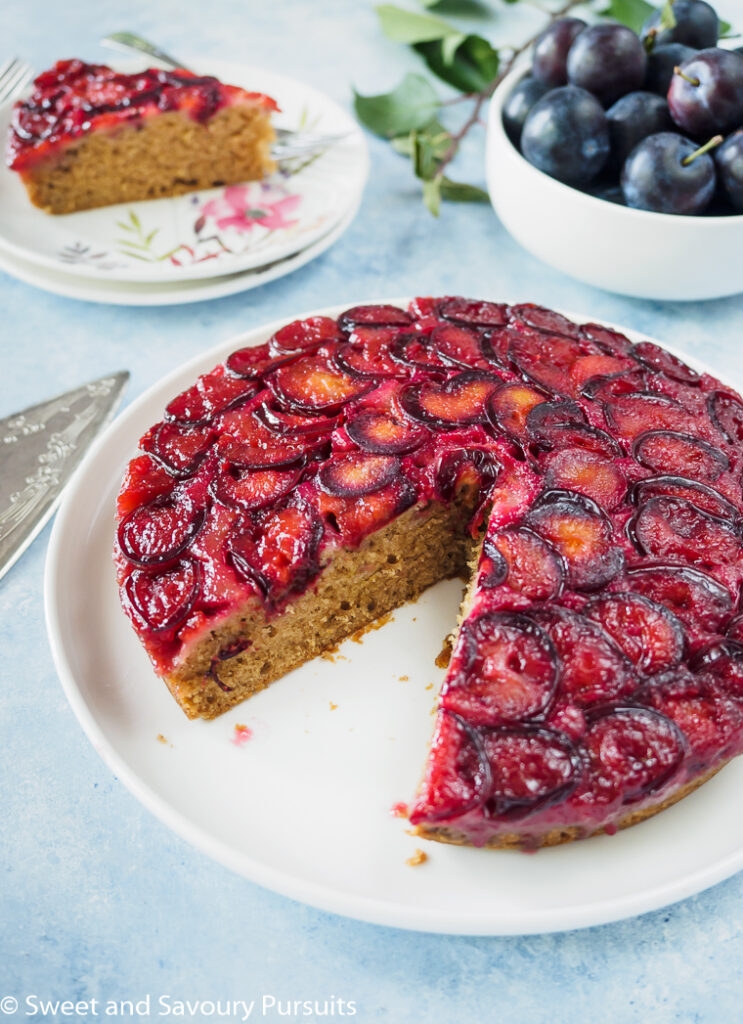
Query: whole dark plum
[[520, 101], [729, 162], [661, 62], [706, 94], [632, 119], [566, 135], [655, 177], [696, 25], [550, 55], [607, 60]]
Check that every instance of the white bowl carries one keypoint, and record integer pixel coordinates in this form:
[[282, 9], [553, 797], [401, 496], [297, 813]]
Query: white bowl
[[633, 252]]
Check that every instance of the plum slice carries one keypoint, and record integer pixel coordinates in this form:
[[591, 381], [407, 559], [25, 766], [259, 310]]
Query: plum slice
[[457, 777], [594, 669], [251, 362], [609, 341], [492, 569], [373, 316], [580, 435], [253, 488], [726, 412], [159, 532], [164, 599], [699, 601], [546, 320], [208, 397], [414, 349], [457, 346], [181, 450], [546, 415], [581, 533], [633, 752], [588, 368], [357, 473], [547, 359], [534, 569], [245, 456], [507, 670], [468, 474], [667, 527], [473, 313], [508, 407], [658, 359], [456, 402], [647, 633], [596, 477], [303, 336], [701, 495], [355, 518], [314, 385], [384, 433], [637, 412], [277, 550], [532, 768], [291, 424], [367, 353], [667, 451], [722, 659], [734, 629], [605, 387]]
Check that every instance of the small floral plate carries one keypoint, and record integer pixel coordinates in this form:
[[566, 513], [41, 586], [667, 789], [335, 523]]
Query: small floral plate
[[209, 233]]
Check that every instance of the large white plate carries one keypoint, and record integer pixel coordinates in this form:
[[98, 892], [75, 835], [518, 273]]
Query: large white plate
[[304, 806], [127, 293], [202, 234]]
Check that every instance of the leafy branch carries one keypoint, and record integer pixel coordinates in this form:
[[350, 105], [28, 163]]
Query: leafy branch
[[409, 116]]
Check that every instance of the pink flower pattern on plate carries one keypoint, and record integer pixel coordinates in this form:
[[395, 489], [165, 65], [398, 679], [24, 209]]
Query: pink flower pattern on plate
[[241, 207]]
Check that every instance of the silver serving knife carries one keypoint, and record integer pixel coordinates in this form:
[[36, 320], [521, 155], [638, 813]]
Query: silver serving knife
[[40, 449]]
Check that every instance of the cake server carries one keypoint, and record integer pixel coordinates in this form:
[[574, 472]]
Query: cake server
[[40, 448]]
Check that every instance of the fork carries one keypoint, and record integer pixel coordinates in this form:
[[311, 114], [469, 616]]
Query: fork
[[14, 77], [288, 145]]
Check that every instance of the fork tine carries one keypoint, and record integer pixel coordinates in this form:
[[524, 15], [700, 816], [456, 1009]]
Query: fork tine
[[6, 69], [15, 81]]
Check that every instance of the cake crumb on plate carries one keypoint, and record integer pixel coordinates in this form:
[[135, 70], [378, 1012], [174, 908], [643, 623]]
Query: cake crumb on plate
[[418, 858]]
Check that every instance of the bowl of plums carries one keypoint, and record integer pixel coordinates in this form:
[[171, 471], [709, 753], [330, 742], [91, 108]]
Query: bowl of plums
[[617, 157]]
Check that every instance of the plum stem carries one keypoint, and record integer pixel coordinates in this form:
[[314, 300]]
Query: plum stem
[[714, 141], [692, 81]]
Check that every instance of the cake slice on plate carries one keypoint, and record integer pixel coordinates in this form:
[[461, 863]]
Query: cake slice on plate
[[89, 136]]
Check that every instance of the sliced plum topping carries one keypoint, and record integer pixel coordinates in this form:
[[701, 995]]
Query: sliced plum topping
[[699, 601], [367, 353], [251, 489], [647, 633], [633, 752], [545, 320], [473, 313], [611, 342], [303, 336], [208, 397], [313, 385], [588, 368], [179, 449], [157, 533], [468, 474], [546, 415], [492, 569], [722, 659], [533, 567], [457, 776], [581, 533], [356, 518], [668, 527], [509, 406], [246, 456], [495, 345], [726, 412], [288, 424], [667, 451], [507, 670], [456, 402], [457, 346], [413, 349], [704, 497], [658, 359], [373, 316], [593, 667], [384, 433], [532, 768], [608, 386], [711, 721], [580, 435], [635, 413], [145, 480], [278, 550], [596, 477], [734, 629], [163, 600], [547, 359], [358, 473], [251, 362]]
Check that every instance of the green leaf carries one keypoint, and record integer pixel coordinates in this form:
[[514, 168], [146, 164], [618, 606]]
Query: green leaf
[[428, 149], [459, 192], [135, 220], [667, 17], [410, 27], [407, 108], [725, 30], [632, 13], [432, 195], [403, 144], [459, 8], [473, 68]]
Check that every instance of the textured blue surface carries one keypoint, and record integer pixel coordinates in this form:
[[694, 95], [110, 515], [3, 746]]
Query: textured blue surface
[[98, 899]]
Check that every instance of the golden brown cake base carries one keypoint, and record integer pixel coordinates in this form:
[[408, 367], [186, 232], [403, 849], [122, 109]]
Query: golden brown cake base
[[357, 586], [163, 155]]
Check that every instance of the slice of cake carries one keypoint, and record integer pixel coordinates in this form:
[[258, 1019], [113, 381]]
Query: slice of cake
[[89, 136], [309, 485]]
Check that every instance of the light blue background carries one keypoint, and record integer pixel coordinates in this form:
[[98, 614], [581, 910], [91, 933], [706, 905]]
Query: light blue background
[[98, 898]]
